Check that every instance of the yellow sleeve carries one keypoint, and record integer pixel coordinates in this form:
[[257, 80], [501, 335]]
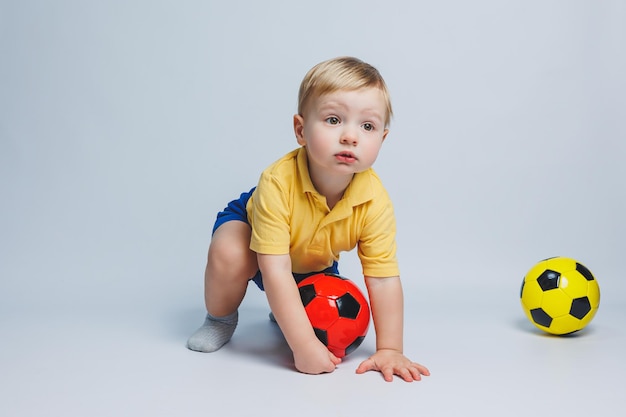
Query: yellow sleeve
[[377, 243], [268, 214]]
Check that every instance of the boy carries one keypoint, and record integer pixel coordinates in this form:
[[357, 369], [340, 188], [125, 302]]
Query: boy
[[316, 201]]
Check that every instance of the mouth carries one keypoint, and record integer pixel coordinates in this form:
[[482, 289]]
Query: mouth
[[346, 157]]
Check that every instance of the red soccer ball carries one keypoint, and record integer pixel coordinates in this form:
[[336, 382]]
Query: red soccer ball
[[337, 310]]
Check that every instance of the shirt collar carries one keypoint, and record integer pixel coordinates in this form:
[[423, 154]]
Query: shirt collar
[[303, 171], [358, 192]]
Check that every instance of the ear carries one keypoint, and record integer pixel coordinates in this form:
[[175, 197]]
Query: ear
[[298, 129], [385, 134]]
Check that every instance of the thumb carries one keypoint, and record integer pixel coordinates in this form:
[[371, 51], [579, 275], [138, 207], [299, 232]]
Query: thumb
[[334, 359], [367, 365]]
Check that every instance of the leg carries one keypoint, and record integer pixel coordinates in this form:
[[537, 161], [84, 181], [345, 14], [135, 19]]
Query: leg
[[230, 265]]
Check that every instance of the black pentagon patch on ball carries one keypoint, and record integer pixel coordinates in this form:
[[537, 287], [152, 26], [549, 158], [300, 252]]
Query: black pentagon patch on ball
[[580, 307], [354, 345], [322, 335], [348, 306], [582, 269], [307, 294], [521, 291], [549, 280], [541, 317]]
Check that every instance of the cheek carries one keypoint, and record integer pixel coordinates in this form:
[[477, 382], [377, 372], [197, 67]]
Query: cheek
[[316, 136], [317, 147], [372, 152], [311, 132]]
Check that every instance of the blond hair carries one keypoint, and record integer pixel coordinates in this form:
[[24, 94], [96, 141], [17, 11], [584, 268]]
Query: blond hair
[[343, 73]]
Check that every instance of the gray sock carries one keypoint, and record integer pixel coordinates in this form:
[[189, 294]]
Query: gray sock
[[214, 333]]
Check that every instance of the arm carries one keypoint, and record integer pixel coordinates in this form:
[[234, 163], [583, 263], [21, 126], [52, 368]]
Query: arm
[[386, 300], [310, 355]]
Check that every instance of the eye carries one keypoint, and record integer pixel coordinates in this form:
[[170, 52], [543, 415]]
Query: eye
[[332, 120], [368, 126]]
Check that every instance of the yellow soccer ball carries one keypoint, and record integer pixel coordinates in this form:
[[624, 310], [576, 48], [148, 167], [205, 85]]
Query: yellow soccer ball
[[560, 295]]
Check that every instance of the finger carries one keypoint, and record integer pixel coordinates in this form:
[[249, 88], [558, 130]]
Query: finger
[[408, 375], [417, 371], [334, 359], [366, 365], [330, 368], [387, 374], [421, 369]]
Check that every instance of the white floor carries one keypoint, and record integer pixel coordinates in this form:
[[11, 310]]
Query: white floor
[[485, 359]]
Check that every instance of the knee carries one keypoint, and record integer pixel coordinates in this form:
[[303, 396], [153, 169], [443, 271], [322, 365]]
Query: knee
[[232, 258], [227, 252]]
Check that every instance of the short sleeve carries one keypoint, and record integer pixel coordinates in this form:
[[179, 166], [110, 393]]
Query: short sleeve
[[377, 244], [269, 214]]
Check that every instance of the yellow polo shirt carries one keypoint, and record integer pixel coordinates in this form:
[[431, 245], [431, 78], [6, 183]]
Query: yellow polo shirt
[[288, 216]]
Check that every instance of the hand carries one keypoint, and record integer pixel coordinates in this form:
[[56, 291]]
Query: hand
[[315, 358], [391, 362]]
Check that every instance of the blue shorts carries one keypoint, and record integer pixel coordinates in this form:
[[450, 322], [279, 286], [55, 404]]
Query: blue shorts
[[236, 210]]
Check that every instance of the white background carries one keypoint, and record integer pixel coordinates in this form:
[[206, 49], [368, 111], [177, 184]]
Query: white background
[[126, 125]]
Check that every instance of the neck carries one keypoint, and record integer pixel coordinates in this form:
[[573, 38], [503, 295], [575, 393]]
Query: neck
[[331, 187]]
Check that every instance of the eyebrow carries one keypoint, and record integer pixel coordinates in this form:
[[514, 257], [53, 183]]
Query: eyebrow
[[331, 105]]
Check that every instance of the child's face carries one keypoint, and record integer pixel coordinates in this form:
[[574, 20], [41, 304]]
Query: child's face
[[343, 131]]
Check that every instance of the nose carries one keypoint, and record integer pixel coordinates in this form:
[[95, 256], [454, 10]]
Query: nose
[[349, 137]]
